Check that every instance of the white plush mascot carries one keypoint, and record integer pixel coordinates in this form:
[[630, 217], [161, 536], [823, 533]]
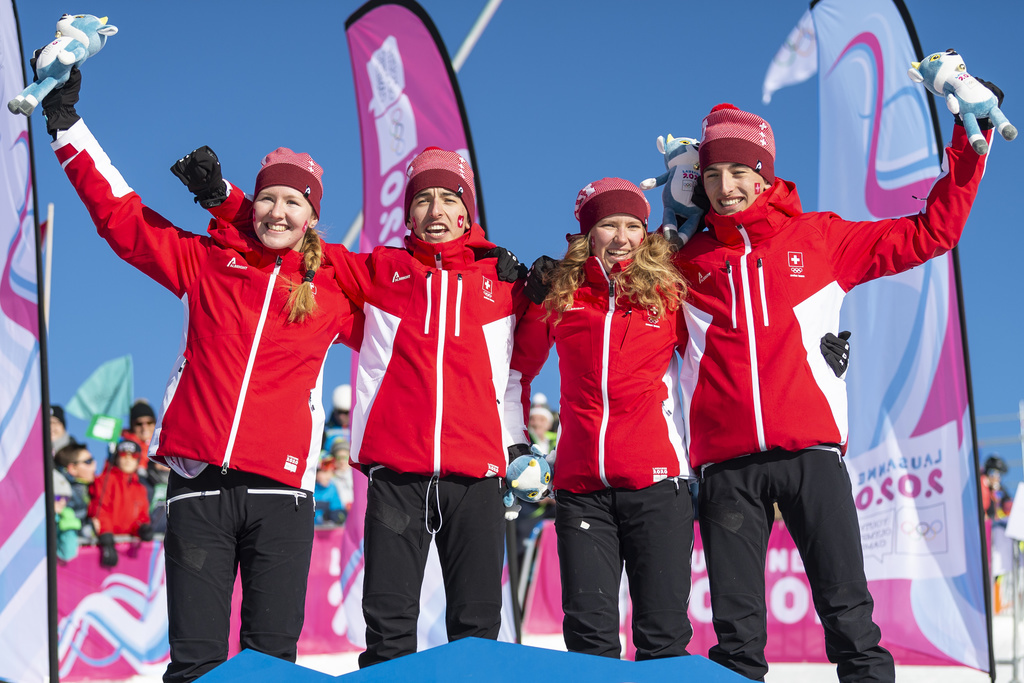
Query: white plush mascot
[[945, 75], [79, 36]]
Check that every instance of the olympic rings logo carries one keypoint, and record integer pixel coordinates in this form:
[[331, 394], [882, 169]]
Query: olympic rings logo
[[921, 530], [397, 130]]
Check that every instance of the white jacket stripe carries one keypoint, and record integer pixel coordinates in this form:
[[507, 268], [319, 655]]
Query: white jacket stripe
[[379, 333], [248, 366]]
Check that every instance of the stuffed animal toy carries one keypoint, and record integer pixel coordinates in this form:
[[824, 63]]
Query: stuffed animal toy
[[945, 75], [528, 477], [79, 37], [683, 163]]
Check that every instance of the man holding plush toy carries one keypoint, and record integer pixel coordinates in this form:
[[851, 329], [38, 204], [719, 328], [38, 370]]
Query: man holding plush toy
[[766, 415]]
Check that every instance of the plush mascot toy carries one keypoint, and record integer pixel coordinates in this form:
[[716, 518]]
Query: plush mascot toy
[[79, 37], [945, 75], [528, 477], [683, 163]]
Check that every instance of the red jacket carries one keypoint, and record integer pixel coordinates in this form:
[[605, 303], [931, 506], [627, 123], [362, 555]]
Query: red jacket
[[620, 422], [120, 504], [434, 361], [436, 348], [245, 392], [767, 283]]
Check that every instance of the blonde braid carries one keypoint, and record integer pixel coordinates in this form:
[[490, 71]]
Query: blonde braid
[[301, 302]]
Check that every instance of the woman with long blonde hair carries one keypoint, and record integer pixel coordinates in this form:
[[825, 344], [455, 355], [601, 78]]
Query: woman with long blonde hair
[[613, 311]]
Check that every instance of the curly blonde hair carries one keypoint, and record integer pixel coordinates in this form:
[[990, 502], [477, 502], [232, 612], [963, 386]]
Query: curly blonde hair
[[301, 302], [649, 281]]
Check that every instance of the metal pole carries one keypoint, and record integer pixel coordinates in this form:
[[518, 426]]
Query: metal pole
[[49, 275], [460, 58], [1015, 612]]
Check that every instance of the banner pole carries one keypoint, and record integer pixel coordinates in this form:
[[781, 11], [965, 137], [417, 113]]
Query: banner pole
[[49, 266], [460, 58]]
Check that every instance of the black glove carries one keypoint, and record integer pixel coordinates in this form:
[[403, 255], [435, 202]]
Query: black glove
[[108, 553], [836, 351], [985, 123], [537, 284], [146, 532], [509, 267], [59, 104], [518, 449], [199, 170]]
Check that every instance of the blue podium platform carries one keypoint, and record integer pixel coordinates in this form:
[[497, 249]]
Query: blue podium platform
[[473, 659]]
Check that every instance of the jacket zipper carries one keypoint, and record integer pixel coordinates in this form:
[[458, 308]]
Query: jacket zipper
[[426, 320], [732, 292], [605, 345], [442, 321], [764, 299], [458, 306], [233, 434], [755, 375]]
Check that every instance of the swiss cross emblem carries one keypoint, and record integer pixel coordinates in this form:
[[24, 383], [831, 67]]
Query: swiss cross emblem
[[796, 263], [488, 289]]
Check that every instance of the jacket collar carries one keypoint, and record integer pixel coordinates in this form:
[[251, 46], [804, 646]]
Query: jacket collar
[[594, 273], [454, 254], [245, 241], [760, 221]]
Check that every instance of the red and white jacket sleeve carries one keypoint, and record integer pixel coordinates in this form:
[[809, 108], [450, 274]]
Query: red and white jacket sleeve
[[866, 250], [145, 239], [534, 338]]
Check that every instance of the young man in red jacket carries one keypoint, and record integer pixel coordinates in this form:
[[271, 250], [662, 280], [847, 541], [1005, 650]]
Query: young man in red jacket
[[427, 424], [766, 415]]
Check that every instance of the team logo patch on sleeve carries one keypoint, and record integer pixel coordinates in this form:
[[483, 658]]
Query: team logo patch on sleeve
[[488, 289]]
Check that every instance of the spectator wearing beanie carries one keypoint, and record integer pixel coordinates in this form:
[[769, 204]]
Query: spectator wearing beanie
[[765, 413], [243, 414], [59, 437], [439, 309], [613, 312], [141, 425]]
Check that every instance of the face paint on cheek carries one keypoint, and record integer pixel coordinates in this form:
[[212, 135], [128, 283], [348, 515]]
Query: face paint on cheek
[[757, 188], [462, 221], [305, 226]]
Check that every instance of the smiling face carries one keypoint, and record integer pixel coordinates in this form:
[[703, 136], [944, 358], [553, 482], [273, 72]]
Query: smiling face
[[614, 237], [437, 215], [280, 216], [732, 188]]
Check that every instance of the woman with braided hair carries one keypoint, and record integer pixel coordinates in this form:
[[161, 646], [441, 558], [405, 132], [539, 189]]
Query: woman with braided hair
[[242, 414], [613, 311]]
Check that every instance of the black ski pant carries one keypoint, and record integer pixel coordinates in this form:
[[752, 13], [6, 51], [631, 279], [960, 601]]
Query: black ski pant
[[219, 525], [467, 519], [813, 491], [650, 532]]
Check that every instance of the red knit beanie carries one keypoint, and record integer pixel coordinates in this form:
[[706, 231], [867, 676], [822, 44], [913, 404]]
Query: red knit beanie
[[735, 136], [297, 171], [607, 196], [436, 167]]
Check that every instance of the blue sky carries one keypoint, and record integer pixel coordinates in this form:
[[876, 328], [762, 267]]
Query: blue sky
[[557, 93]]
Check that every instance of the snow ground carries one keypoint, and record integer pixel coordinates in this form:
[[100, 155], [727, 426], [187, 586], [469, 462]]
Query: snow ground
[[1002, 628]]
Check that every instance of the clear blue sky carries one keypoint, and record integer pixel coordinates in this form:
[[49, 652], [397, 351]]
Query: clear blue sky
[[557, 93]]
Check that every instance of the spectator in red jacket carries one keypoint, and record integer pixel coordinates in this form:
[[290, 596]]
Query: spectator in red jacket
[[120, 503]]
